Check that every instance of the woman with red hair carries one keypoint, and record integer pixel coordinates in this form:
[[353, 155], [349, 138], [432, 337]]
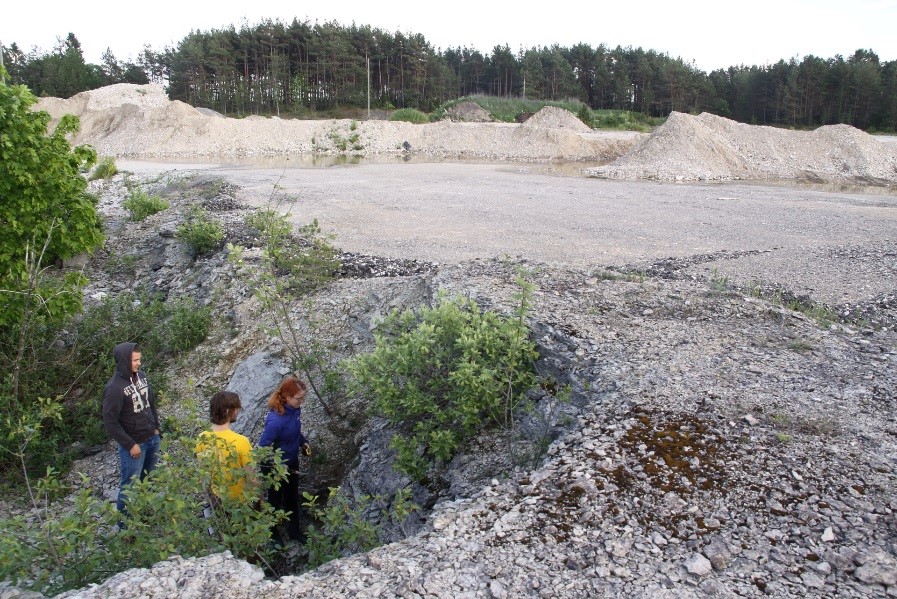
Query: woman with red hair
[[283, 431]]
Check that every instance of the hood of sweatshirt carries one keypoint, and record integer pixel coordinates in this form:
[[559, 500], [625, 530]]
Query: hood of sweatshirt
[[122, 355]]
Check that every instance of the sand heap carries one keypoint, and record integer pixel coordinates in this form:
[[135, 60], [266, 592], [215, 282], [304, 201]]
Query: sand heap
[[709, 147], [139, 121], [553, 117]]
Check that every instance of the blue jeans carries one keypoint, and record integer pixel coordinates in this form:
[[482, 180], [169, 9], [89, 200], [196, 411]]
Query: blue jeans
[[141, 465]]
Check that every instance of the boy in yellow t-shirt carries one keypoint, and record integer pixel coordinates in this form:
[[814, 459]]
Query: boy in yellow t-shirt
[[232, 450]]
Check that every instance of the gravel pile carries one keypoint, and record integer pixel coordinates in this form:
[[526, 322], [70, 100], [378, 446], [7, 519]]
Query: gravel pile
[[556, 118], [133, 121], [140, 122], [469, 112], [712, 148]]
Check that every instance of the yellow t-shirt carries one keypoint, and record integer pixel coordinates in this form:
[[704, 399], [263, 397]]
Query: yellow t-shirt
[[232, 452]]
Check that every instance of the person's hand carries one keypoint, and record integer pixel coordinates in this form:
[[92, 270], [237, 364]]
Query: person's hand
[[135, 451], [306, 449]]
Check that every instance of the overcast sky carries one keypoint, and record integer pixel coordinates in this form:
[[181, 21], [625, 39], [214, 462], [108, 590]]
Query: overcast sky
[[712, 34]]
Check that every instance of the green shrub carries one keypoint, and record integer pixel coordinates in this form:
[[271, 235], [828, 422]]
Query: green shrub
[[202, 233], [585, 115], [47, 216], [410, 115], [341, 529], [105, 169], [75, 361], [141, 205], [445, 373], [68, 546]]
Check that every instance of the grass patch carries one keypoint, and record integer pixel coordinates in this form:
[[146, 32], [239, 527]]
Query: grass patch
[[822, 314], [624, 120], [719, 284], [141, 205], [202, 233], [800, 346], [104, 169], [410, 115]]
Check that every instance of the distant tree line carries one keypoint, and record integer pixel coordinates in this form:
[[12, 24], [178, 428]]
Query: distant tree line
[[63, 73], [274, 68]]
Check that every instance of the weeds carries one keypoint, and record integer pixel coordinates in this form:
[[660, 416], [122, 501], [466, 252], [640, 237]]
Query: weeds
[[410, 115], [105, 169], [800, 346], [341, 528], [719, 284], [202, 233], [140, 205], [342, 143], [821, 313]]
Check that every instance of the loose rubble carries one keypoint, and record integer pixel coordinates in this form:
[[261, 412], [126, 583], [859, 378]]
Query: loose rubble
[[716, 444]]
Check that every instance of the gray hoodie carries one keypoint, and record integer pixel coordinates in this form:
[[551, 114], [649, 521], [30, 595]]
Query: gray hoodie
[[129, 403]]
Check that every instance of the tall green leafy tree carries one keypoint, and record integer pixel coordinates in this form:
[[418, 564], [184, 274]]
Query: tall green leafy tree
[[46, 216]]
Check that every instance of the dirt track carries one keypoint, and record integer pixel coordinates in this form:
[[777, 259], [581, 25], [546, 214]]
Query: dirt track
[[834, 246]]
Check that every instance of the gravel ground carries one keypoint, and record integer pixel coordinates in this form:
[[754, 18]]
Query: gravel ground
[[834, 246]]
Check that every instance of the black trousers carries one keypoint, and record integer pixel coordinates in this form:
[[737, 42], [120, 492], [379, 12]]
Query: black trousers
[[287, 498]]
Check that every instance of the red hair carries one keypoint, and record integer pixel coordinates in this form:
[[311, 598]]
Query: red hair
[[290, 387]]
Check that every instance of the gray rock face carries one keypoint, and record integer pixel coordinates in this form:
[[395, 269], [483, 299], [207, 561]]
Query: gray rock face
[[254, 380]]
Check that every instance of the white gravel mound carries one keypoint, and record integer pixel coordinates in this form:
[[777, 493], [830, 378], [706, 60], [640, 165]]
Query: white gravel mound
[[139, 121], [557, 118], [709, 147]]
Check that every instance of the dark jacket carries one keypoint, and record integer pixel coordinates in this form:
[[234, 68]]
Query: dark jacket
[[284, 432], [129, 403]]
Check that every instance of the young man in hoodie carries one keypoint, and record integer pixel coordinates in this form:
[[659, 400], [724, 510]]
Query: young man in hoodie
[[130, 417]]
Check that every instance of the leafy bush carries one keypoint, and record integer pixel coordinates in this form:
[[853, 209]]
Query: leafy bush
[[410, 115], [585, 115], [202, 233], [47, 215], [105, 169], [70, 546], [341, 529], [443, 374], [141, 205], [74, 363]]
